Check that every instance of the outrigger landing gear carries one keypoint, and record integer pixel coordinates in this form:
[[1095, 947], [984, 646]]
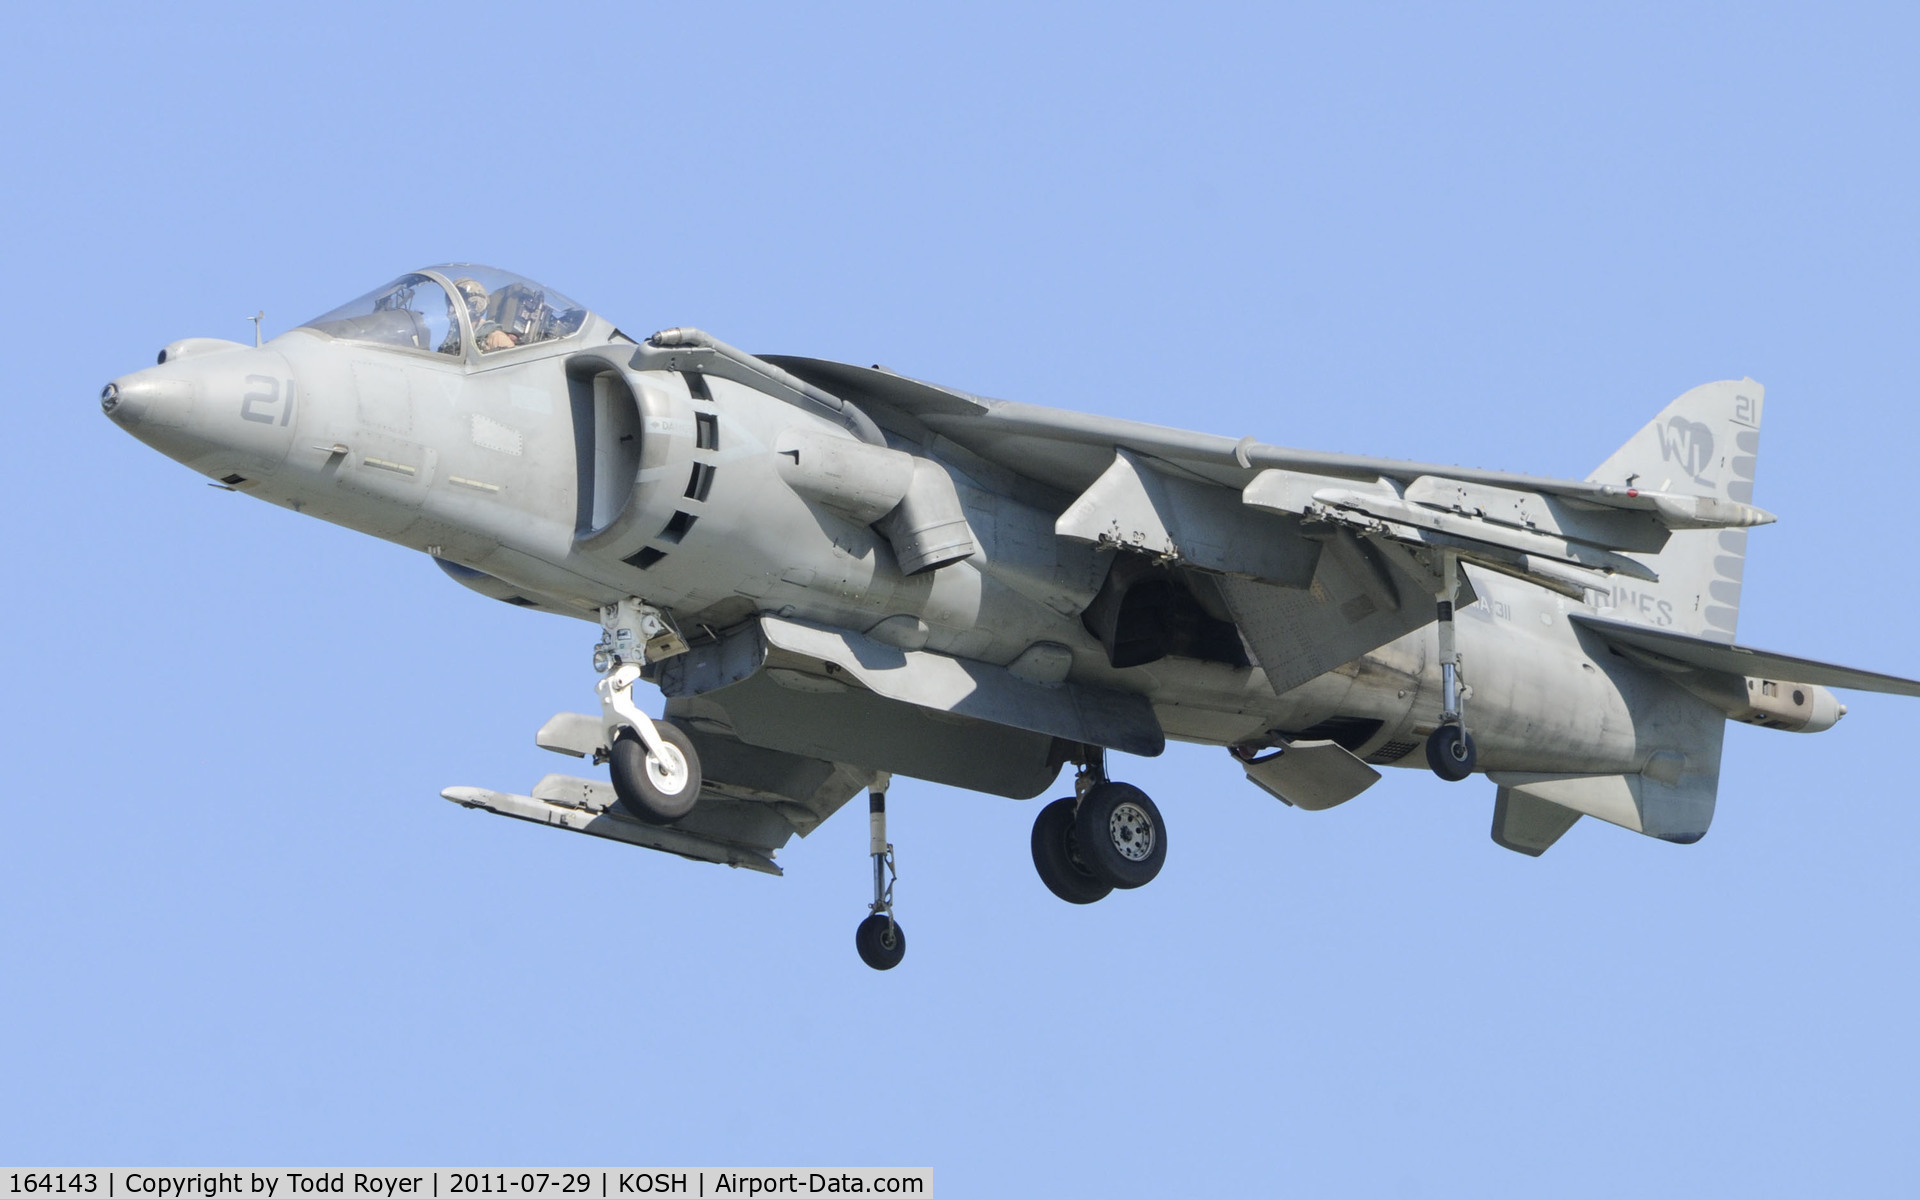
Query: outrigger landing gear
[[1450, 747], [656, 771], [1106, 835], [879, 939]]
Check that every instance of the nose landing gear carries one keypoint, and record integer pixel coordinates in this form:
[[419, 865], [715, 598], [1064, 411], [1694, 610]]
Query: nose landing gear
[[656, 771], [1107, 835]]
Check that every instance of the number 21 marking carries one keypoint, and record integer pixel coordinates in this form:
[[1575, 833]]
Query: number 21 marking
[[266, 392]]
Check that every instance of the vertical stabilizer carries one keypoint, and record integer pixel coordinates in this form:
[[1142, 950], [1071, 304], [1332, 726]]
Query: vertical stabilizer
[[1703, 444]]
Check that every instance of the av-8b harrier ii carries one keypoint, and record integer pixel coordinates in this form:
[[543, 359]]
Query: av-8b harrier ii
[[835, 574]]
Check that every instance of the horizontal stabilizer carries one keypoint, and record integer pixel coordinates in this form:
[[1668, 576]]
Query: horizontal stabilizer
[[1743, 660]]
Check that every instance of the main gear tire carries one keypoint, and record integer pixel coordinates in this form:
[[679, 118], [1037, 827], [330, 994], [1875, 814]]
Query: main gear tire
[[1057, 859], [656, 790], [1120, 835]]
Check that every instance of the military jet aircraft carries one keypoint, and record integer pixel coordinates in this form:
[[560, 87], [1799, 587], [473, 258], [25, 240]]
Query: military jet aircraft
[[835, 574]]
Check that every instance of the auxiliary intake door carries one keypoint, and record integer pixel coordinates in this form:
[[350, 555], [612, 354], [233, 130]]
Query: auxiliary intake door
[[633, 435]]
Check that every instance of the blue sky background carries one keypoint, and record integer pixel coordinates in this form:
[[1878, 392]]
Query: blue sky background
[[239, 927]]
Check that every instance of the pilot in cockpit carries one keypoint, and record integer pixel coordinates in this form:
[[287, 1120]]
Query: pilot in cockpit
[[474, 296]]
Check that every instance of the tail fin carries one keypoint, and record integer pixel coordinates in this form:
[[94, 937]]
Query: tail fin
[[1703, 444]]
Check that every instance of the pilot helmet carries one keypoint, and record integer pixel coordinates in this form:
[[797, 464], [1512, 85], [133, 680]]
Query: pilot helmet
[[474, 296]]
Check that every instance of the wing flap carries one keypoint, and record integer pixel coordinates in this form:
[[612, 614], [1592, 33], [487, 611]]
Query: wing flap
[[1362, 596]]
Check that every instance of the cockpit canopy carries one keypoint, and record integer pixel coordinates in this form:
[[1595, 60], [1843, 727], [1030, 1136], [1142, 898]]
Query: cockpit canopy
[[496, 310]]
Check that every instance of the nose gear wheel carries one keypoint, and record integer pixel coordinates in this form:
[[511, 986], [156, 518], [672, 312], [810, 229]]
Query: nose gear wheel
[[657, 788]]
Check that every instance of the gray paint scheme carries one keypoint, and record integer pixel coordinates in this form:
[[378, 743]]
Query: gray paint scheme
[[879, 575]]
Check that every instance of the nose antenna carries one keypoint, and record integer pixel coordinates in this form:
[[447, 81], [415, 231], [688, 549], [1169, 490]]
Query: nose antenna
[[255, 318]]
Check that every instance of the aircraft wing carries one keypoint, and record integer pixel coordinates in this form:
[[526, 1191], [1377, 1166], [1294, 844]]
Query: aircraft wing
[[1741, 660], [1072, 449], [1318, 558], [1568, 535]]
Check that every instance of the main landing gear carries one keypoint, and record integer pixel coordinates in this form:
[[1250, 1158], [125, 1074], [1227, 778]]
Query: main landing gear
[[656, 771], [1106, 835], [1450, 747]]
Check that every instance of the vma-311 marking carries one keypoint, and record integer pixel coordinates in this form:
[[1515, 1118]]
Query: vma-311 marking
[[835, 574]]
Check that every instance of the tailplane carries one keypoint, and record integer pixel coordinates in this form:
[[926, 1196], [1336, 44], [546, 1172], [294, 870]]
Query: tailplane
[[1703, 444]]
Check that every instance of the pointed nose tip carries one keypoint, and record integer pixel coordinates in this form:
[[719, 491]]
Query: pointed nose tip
[[139, 401]]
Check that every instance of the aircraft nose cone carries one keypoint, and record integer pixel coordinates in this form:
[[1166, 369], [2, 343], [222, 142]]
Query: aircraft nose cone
[[140, 401], [219, 409]]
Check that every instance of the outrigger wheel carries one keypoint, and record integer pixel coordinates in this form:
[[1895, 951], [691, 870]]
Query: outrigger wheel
[[881, 942], [1450, 752], [879, 939], [657, 788], [1450, 747]]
